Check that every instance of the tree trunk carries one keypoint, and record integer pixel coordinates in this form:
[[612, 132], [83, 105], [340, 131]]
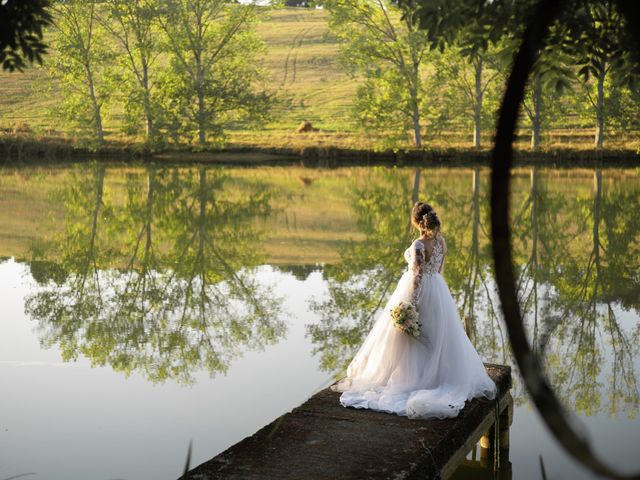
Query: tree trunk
[[414, 91], [147, 103], [99, 130], [97, 115], [536, 120], [599, 141], [149, 127], [415, 117], [477, 107], [202, 134]]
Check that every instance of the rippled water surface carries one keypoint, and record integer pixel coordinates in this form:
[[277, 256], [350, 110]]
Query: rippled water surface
[[146, 307]]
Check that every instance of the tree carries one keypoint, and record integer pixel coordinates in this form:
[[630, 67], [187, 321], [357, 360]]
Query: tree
[[210, 81], [82, 64], [471, 34], [464, 83], [551, 76], [21, 32], [132, 24], [623, 110], [474, 41], [384, 43], [595, 34]]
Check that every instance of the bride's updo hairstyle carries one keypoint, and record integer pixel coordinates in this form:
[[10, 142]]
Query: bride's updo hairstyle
[[425, 219]]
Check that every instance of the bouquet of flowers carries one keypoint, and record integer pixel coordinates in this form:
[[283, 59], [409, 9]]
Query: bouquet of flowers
[[405, 317]]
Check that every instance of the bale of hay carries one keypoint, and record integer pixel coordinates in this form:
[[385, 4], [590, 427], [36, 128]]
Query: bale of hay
[[306, 127], [22, 127], [305, 181]]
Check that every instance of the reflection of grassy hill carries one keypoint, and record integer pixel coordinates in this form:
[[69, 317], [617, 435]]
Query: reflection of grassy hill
[[25, 207], [312, 214]]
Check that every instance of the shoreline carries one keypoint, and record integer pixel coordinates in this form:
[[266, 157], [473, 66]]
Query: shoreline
[[16, 152]]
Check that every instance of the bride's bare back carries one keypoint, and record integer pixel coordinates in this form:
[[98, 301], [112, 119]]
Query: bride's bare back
[[434, 245]]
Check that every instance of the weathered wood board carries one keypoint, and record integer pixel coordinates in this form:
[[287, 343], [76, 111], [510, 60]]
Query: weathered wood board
[[321, 440]]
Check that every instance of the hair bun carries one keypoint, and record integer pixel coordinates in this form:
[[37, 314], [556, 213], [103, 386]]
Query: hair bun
[[424, 217], [430, 220]]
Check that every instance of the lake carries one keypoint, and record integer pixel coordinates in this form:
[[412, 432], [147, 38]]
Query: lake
[[144, 307]]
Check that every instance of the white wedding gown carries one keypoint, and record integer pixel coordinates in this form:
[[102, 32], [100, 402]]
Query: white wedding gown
[[430, 376]]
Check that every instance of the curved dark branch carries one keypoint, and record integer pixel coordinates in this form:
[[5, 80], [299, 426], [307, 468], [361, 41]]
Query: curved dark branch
[[539, 389]]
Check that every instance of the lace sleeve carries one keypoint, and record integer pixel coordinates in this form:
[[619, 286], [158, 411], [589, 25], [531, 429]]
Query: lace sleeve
[[444, 253], [416, 270]]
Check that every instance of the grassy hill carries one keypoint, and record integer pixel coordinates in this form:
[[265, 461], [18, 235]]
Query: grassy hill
[[302, 62], [302, 65]]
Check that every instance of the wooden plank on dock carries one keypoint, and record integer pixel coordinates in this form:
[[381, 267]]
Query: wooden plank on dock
[[322, 440]]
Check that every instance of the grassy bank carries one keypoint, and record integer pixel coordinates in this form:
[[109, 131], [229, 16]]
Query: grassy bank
[[302, 67], [38, 150]]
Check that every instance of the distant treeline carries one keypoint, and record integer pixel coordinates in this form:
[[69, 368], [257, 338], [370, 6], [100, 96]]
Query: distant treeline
[[184, 71], [444, 64]]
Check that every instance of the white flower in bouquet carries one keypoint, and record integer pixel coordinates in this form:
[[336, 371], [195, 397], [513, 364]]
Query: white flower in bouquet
[[405, 317]]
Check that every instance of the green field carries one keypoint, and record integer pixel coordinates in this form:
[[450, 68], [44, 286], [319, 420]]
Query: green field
[[302, 66]]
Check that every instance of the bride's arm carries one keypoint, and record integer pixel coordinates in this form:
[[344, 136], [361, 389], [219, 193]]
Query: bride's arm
[[418, 260], [444, 254]]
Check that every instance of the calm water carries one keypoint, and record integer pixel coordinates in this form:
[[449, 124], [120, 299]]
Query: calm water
[[145, 307]]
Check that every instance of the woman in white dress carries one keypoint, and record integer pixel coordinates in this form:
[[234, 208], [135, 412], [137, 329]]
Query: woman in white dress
[[428, 376]]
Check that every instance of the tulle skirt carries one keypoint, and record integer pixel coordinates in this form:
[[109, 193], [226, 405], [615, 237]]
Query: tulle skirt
[[430, 376]]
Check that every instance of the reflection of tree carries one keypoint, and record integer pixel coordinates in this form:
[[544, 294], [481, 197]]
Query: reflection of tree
[[86, 248], [300, 272], [365, 276], [595, 271], [621, 284], [576, 255], [468, 264], [181, 295], [367, 271], [541, 229]]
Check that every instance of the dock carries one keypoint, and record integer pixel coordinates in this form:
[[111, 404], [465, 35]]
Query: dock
[[321, 440]]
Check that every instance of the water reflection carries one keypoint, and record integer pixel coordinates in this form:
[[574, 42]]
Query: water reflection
[[156, 269], [596, 278], [576, 252], [158, 275], [162, 271], [367, 271]]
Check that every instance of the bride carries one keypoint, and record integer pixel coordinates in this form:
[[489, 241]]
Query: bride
[[429, 375]]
